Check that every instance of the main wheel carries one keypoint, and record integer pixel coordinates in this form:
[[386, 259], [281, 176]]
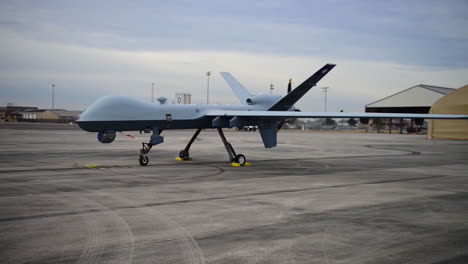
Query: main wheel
[[184, 155], [143, 160], [240, 159]]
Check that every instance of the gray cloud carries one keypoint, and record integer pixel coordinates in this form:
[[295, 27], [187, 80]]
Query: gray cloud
[[429, 33], [93, 48], [81, 74]]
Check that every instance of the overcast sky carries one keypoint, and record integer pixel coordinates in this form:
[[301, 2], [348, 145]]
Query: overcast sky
[[94, 48]]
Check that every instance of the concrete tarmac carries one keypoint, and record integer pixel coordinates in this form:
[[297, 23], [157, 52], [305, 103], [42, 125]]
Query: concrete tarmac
[[316, 198]]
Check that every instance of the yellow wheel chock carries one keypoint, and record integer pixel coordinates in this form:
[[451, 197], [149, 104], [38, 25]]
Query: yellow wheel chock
[[235, 164], [181, 159]]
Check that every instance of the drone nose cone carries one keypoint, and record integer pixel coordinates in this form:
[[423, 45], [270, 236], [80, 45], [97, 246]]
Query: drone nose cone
[[104, 108], [119, 108], [84, 116]]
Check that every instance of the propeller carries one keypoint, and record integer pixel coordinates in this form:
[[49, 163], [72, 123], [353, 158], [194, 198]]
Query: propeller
[[280, 124]]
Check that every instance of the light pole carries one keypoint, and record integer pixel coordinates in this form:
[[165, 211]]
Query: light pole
[[325, 90], [208, 87], [152, 92], [53, 96]]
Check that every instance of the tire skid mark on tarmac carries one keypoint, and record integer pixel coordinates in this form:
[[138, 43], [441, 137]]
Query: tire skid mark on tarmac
[[126, 240], [93, 241], [73, 179], [218, 172], [192, 251], [323, 245], [94, 245], [392, 147]]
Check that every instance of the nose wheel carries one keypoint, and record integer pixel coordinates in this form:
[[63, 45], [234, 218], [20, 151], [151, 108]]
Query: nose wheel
[[144, 160]]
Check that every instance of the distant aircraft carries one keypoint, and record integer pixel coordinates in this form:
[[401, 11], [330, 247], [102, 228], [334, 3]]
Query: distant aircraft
[[112, 114]]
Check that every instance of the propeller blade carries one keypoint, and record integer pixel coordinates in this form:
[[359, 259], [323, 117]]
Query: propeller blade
[[280, 125]]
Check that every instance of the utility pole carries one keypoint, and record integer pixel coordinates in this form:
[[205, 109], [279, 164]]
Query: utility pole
[[208, 87], [152, 92], [271, 88], [325, 90], [53, 96]]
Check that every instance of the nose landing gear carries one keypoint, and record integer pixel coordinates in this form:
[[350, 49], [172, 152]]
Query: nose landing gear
[[144, 160], [146, 147]]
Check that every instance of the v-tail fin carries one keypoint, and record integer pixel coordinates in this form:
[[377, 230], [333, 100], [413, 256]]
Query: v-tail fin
[[291, 98], [239, 90]]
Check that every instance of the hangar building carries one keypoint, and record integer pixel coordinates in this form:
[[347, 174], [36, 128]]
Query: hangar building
[[58, 116], [417, 99], [11, 113], [454, 103]]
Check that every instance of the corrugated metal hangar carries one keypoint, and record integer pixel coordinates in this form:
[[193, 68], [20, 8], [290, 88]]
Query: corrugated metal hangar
[[416, 99], [454, 103]]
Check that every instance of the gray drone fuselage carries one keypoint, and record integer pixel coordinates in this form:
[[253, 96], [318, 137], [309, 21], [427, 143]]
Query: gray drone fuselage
[[121, 113]]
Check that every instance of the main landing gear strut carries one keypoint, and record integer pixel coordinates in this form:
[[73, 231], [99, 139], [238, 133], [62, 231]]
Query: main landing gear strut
[[236, 159], [184, 154], [233, 157]]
